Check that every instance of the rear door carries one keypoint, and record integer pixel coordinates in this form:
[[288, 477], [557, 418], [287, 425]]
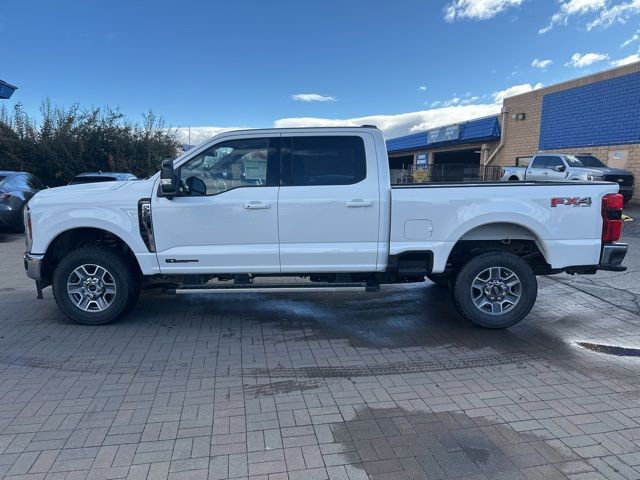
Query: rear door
[[328, 203]]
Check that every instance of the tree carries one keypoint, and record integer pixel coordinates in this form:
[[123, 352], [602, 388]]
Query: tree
[[69, 141]]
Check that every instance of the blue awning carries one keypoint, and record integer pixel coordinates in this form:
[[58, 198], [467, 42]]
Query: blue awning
[[6, 90], [479, 130]]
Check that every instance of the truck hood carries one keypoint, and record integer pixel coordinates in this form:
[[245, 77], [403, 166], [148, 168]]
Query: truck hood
[[92, 193], [608, 171]]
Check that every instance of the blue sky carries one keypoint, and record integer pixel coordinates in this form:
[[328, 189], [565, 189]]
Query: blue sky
[[406, 65]]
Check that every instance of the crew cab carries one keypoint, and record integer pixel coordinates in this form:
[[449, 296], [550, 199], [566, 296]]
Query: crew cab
[[314, 203], [559, 167]]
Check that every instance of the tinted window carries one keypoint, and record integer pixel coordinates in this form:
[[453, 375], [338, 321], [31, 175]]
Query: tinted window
[[227, 165], [20, 182], [327, 161], [539, 162], [34, 183]]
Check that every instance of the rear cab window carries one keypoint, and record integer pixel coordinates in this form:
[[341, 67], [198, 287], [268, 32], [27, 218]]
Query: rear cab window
[[323, 160]]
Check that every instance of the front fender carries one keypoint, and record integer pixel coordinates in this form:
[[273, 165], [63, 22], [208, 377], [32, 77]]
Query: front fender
[[51, 222]]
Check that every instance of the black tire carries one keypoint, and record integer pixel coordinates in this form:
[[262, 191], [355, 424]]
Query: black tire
[[626, 199], [514, 311], [440, 279], [122, 275]]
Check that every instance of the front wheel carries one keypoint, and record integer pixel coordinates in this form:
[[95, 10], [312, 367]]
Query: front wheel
[[94, 285], [495, 290]]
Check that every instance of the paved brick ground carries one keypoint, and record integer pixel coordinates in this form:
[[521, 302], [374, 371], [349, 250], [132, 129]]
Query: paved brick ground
[[342, 386]]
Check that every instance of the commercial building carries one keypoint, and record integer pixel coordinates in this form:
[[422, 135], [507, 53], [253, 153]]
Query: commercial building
[[597, 114]]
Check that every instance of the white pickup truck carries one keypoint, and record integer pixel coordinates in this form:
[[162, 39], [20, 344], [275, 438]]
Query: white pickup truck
[[313, 203], [560, 167]]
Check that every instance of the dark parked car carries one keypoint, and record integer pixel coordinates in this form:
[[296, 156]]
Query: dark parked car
[[16, 188], [95, 177]]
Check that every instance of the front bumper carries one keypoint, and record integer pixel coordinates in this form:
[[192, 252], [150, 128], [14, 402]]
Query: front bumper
[[612, 256], [33, 265]]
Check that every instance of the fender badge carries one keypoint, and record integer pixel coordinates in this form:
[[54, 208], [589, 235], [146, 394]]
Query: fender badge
[[571, 201]]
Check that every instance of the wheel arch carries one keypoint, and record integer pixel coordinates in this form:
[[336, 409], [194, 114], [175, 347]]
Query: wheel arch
[[77, 237], [509, 236]]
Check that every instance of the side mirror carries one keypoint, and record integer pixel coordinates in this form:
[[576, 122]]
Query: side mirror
[[168, 180], [560, 168]]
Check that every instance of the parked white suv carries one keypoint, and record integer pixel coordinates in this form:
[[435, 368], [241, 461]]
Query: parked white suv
[[315, 203]]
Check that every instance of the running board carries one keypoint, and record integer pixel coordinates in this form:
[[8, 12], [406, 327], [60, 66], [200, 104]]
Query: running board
[[275, 288]]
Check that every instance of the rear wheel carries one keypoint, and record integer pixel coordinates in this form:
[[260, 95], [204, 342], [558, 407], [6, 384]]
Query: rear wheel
[[94, 285], [495, 290]]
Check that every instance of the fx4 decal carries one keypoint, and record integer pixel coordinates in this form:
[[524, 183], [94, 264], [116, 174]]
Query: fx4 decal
[[571, 201]]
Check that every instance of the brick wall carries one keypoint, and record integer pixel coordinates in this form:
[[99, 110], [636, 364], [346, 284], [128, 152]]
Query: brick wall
[[522, 137]]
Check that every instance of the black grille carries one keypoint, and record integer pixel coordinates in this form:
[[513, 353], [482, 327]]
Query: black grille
[[622, 180]]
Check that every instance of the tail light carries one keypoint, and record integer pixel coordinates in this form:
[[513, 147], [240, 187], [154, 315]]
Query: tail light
[[611, 217], [5, 196]]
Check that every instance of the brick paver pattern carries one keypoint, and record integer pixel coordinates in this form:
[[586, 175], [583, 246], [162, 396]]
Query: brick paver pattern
[[345, 386]]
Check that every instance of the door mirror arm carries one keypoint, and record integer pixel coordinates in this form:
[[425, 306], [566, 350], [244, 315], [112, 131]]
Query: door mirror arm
[[168, 180]]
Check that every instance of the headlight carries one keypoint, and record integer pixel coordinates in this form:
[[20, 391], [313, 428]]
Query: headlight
[[28, 236], [594, 178]]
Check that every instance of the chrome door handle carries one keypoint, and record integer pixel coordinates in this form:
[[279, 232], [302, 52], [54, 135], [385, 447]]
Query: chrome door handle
[[257, 205], [358, 203]]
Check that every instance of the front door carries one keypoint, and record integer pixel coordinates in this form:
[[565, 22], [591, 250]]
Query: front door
[[328, 204], [225, 218], [554, 175]]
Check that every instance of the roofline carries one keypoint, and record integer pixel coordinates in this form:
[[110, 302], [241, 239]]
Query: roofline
[[449, 125], [582, 77], [452, 143], [7, 84]]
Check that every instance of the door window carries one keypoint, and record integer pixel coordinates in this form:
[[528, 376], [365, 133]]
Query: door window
[[554, 162], [316, 161], [228, 165]]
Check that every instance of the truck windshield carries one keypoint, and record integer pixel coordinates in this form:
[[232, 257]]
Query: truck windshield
[[584, 161]]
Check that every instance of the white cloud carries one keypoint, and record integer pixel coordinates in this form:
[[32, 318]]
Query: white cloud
[[457, 109], [570, 8], [422, 88], [626, 60], [477, 9], [402, 123], [541, 63], [579, 60], [634, 38], [312, 97], [619, 13], [603, 12], [500, 95], [200, 134]]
